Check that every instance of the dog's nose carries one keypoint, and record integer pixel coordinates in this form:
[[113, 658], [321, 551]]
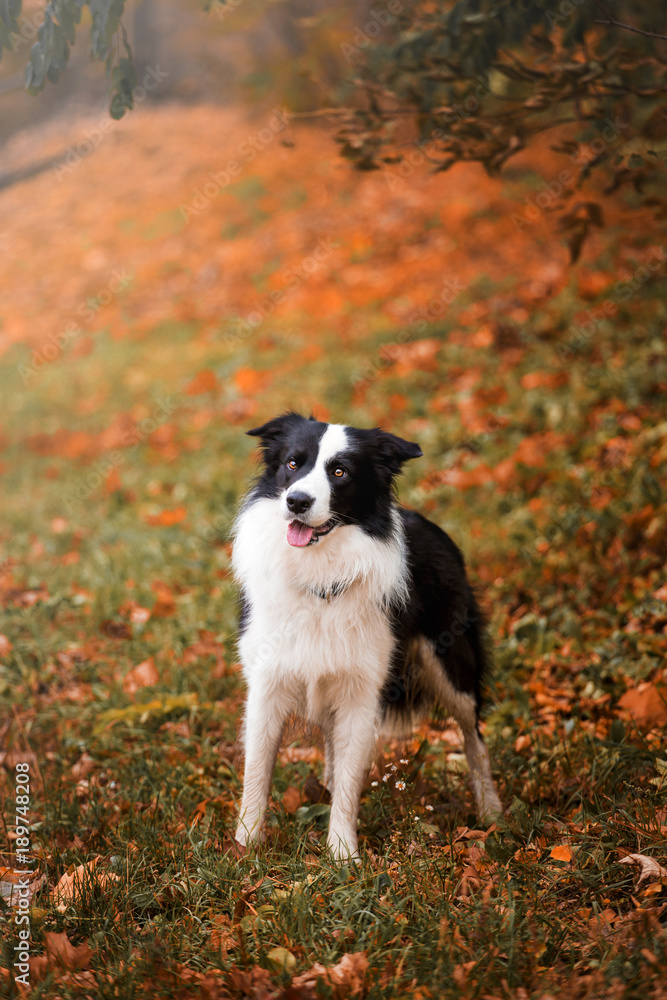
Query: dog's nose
[[299, 502]]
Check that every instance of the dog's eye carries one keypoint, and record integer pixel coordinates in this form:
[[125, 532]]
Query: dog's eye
[[291, 465], [339, 473]]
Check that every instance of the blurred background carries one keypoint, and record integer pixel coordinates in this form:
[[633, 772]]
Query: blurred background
[[178, 275]]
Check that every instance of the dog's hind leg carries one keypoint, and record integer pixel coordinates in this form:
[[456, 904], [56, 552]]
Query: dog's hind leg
[[266, 712], [462, 706], [489, 807]]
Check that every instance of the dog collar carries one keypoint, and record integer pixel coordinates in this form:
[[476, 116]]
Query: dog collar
[[335, 590]]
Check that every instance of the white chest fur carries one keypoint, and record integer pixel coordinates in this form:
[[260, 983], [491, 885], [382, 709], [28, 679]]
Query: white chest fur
[[319, 650]]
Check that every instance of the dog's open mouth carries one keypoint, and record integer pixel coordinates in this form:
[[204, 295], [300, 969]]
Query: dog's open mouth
[[301, 534]]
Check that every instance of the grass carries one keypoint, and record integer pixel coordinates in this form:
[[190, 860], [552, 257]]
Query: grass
[[566, 541]]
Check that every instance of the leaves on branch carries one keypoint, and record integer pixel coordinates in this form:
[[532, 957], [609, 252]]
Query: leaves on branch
[[49, 55], [477, 81]]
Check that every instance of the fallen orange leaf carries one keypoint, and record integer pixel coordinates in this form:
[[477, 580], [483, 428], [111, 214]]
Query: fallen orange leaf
[[561, 853], [250, 381], [59, 955], [165, 604], [204, 381], [83, 878], [115, 630], [166, 518], [345, 979], [291, 799], [143, 675], [222, 936], [647, 704]]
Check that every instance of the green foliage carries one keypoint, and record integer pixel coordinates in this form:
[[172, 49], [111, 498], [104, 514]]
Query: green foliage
[[9, 12], [49, 55], [124, 80]]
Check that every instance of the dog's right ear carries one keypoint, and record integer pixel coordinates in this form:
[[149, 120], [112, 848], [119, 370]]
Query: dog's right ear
[[272, 434], [267, 430]]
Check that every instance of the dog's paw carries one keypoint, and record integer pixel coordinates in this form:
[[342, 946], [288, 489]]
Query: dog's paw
[[491, 811], [232, 847], [343, 850], [246, 838]]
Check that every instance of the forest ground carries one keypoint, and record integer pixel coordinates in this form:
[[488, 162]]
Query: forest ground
[[158, 302]]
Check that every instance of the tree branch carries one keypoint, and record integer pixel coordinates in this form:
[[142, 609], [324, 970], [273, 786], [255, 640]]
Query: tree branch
[[627, 27]]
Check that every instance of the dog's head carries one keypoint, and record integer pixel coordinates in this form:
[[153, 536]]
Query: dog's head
[[327, 475]]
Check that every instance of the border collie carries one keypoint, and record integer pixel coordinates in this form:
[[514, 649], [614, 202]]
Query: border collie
[[355, 615]]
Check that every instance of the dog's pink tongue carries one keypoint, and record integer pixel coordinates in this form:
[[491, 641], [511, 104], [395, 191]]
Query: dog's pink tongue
[[298, 533]]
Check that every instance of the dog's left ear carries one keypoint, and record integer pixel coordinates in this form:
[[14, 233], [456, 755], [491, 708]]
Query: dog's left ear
[[395, 450]]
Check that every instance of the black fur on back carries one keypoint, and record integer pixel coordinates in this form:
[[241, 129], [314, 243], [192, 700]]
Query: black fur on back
[[442, 608]]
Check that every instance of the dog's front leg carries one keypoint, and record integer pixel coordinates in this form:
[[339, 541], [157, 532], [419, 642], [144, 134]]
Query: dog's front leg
[[353, 740], [264, 721]]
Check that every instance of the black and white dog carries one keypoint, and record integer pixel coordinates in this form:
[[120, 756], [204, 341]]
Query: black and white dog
[[355, 614]]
